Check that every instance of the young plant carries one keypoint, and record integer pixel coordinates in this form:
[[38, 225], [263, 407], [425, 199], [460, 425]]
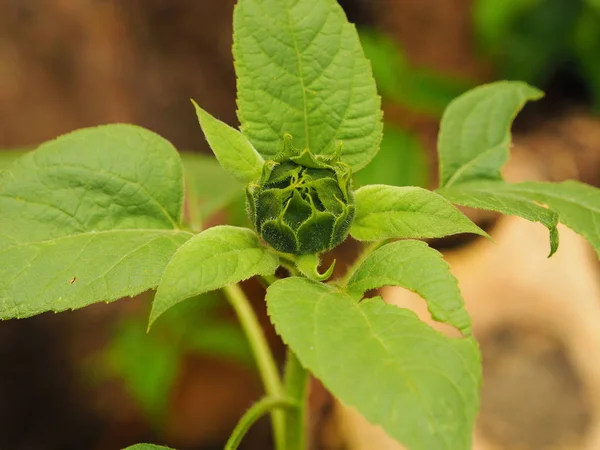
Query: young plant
[[96, 215]]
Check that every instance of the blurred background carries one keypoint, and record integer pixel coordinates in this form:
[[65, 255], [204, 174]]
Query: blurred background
[[92, 379]]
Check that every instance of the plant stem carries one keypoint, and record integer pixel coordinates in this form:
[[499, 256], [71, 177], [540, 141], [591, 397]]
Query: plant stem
[[252, 415], [262, 355], [296, 378]]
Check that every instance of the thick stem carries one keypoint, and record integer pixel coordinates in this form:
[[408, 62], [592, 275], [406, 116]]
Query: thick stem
[[257, 410], [296, 378], [262, 355]]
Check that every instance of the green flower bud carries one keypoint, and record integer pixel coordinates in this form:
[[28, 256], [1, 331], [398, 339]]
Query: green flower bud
[[303, 203]]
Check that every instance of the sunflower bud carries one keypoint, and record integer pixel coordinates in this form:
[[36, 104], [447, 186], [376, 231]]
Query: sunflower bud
[[303, 203]]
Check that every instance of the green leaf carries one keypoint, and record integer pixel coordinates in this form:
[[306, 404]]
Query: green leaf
[[301, 70], [147, 447], [586, 47], [419, 385], [506, 199], [419, 268], [232, 148], [474, 138], [418, 89], [577, 205], [7, 157], [208, 187], [90, 216], [401, 161], [384, 212], [213, 259], [148, 366]]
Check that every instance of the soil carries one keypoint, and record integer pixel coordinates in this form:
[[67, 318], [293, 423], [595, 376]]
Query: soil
[[532, 397]]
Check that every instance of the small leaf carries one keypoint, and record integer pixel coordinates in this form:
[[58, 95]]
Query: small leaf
[[301, 70], [147, 447], [213, 259], [504, 198], [474, 138], [419, 385], [232, 148], [384, 212], [577, 205], [419, 268], [90, 216]]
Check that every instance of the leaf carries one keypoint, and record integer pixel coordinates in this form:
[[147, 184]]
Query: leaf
[[208, 187], [401, 161], [384, 212], [147, 447], [233, 150], [90, 216], [577, 205], [301, 70], [213, 259], [586, 47], [7, 157], [529, 39], [474, 138], [504, 198], [419, 385], [419, 268], [148, 366]]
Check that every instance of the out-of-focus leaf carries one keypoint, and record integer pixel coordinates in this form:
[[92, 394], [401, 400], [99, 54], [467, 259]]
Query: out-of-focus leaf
[[419, 89], [586, 44], [208, 187], [401, 161]]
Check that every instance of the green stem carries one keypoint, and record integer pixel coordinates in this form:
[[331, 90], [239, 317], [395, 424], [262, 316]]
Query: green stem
[[257, 410], [296, 380], [262, 354]]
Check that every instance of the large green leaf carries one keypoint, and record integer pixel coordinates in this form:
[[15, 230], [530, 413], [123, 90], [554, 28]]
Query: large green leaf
[[417, 267], [232, 148], [92, 215], [301, 70], [577, 205], [211, 260], [384, 212], [7, 157], [506, 199], [419, 385], [474, 138]]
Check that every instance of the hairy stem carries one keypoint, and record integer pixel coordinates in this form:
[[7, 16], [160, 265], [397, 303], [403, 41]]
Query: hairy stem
[[257, 410], [296, 378], [262, 355]]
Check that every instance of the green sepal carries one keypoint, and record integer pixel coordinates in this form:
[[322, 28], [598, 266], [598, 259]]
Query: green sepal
[[308, 265]]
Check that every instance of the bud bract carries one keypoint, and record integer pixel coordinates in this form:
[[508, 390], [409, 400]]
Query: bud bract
[[303, 203]]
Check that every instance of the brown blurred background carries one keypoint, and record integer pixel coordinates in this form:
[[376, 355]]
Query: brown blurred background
[[67, 64]]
